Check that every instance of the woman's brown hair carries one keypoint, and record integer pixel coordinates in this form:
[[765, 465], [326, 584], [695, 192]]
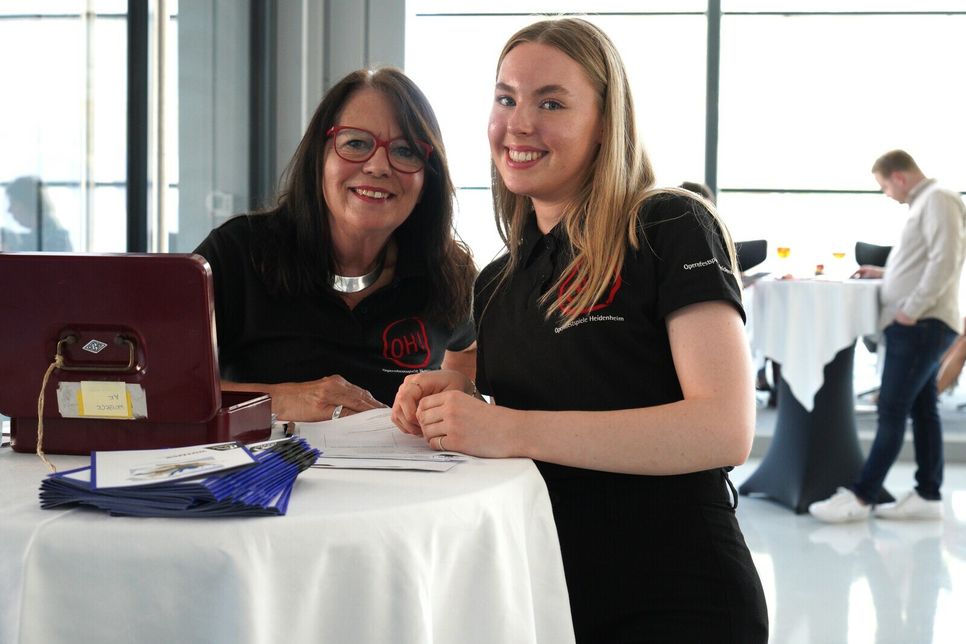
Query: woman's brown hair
[[297, 258]]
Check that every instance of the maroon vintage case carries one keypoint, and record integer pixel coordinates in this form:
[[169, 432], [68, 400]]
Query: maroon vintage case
[[142, 319]]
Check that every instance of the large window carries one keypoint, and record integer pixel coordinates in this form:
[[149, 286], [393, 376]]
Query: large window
[[70, 178], [809, 93], [62, 124], [808, 101], [805, 94], [665, 54]]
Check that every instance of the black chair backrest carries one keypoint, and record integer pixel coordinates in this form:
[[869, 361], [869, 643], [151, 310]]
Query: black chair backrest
[[871, 254], [751, 253]]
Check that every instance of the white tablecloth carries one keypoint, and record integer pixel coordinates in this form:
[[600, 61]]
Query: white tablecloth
[[470, 555], [803, 324]]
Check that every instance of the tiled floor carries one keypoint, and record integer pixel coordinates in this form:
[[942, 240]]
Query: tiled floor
[[882, 582]]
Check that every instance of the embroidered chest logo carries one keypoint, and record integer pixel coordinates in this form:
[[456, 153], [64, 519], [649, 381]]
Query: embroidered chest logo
[[405, 343], [566, 305]]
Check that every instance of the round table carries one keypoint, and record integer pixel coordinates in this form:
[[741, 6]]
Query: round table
[[470, 556], [809, 327]]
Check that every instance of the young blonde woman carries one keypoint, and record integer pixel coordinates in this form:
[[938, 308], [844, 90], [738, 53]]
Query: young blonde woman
[[610, 339]]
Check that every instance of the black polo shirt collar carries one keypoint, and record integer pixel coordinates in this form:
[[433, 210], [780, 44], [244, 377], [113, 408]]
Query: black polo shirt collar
[[534, 242]]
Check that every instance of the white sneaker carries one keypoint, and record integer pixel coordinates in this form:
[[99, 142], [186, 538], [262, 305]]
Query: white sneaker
[[841, 507], [911, 506]]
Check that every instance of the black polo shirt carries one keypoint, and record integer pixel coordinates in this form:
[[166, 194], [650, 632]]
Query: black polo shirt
[[616, 355], [270, 338]]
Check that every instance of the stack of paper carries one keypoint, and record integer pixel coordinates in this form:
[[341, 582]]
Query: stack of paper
[[222, 479], [370, 440]]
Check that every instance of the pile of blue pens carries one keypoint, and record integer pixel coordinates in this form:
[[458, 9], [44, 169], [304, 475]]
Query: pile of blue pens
[[260, 489]]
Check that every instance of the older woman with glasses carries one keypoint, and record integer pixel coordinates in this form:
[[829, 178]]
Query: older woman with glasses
[[354, 279]]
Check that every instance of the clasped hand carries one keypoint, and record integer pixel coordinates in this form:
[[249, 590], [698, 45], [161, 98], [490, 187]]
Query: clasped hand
[[436, 405]]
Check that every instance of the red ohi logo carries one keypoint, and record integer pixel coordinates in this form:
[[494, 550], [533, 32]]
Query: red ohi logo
[[405, 343], [566, 304]]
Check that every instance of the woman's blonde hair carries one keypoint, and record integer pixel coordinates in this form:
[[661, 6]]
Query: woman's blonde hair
[[603, 217]]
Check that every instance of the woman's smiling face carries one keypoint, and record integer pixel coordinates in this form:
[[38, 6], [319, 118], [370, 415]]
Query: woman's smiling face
[[370, 197], [545, 125]]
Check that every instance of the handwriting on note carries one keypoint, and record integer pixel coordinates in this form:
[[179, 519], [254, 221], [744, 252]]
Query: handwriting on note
[[101, 399]]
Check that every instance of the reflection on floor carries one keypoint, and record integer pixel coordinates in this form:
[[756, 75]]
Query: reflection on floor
[[882, 582]]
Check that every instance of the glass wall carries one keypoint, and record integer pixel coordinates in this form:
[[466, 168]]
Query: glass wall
[[62, 124], [809, 101], [810, 93], [665, 55]]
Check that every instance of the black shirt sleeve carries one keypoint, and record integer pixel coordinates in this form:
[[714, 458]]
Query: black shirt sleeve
[[463, 336], [690, 257], [227, 251]]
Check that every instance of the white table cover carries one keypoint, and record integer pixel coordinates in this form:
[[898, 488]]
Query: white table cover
[[803, 324], [467, 556]]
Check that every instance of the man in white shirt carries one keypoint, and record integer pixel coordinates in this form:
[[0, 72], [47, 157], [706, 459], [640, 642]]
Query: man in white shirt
[[921, 319]]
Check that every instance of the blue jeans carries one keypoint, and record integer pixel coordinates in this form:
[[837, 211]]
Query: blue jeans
[[908, 389]]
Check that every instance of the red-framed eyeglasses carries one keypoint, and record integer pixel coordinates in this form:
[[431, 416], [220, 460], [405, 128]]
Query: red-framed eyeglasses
[[357, 145]]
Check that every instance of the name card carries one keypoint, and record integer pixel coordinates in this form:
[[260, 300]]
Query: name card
[[99, 399]]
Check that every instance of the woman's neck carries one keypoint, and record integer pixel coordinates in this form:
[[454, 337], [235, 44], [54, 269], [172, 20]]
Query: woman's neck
[[353, 258], [548, 215]]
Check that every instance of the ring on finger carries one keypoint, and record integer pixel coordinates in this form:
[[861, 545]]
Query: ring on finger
[[337, 412], [439, 442]]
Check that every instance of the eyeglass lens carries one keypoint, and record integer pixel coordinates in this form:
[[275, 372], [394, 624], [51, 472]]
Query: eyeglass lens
[[358, 146]]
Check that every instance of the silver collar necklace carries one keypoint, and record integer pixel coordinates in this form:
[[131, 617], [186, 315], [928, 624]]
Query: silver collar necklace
[[344, 284]]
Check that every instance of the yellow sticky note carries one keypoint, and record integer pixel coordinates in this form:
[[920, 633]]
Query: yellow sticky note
[[104, 399]]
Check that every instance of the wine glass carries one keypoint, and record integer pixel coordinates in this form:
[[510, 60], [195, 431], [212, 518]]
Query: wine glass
[[838, 269], [784, 252]]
